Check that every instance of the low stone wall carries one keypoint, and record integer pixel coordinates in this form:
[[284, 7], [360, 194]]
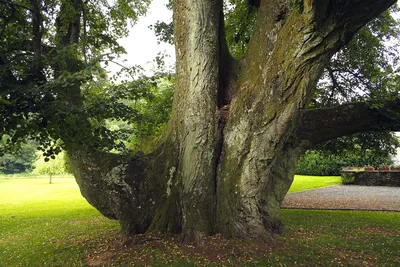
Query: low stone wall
[[372, 177]]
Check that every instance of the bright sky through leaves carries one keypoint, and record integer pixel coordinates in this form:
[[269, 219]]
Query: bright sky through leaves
[[141, 44]]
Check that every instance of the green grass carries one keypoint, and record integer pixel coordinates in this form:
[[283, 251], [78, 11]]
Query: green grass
[[302, 182], [32, 176], [341, 238], [44, 224], [52, 225]]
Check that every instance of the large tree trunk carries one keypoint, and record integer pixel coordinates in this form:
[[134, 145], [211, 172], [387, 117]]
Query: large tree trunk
[[237, 129]]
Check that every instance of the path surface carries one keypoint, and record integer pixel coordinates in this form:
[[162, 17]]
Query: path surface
[[346, 197]]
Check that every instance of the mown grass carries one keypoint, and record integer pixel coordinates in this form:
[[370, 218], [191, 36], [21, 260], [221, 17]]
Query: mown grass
[[33, 176], [52, 225], [44, 224], [302, 182]]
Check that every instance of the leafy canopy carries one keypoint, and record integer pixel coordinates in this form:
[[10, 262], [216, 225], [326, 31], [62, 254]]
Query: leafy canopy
[[51, 70]]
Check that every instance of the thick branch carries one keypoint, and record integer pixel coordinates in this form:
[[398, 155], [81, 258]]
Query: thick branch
[[37, 23], [271, 18], [352, 15], [320, 125]]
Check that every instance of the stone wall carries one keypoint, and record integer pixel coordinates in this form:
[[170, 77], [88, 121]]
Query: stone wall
[[370, 176]]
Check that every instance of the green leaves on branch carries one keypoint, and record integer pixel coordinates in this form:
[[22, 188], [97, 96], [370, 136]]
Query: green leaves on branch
[[365, 69], [50, 52], [163, 31], [5, 102], [240, 18]]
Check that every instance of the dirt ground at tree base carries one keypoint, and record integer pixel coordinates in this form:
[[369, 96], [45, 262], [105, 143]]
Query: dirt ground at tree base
[[346, 197]]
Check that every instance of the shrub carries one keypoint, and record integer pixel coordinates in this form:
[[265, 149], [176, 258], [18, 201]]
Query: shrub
[[316, 162], [347, 177]]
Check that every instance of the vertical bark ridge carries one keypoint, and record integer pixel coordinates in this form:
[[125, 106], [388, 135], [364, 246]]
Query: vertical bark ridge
[[198, 55], [271, 18]]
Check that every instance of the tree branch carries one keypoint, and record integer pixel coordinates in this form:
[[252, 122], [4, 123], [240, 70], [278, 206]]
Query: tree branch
[[320, 125], [37, 33], [16, 5]]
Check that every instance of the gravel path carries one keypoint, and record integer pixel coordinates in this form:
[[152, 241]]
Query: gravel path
[[346, 197]]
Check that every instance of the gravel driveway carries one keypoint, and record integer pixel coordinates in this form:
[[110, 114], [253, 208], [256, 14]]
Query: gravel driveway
[[346, 197]]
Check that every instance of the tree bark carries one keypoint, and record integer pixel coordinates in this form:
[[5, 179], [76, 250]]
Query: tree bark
[[237, 129]]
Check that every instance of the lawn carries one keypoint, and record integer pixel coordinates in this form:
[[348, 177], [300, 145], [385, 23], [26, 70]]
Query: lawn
[[52, 225], [44, 224], [302, 182]]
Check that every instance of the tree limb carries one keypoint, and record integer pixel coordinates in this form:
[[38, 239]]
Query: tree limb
[[16, 5], [320, 125]]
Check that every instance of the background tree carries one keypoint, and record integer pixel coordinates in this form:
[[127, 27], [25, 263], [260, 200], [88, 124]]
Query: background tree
[[56, 166], [19, 160], [238, 125]]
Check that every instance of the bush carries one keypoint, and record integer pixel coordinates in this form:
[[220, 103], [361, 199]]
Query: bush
[[316, 162], [347, 177]]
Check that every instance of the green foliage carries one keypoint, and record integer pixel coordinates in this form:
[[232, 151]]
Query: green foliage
[[347, 177], [133, 112], [51, 51], [372, 149], [19, 160], [319, 162], [240, 18], [381, 144], [155, 111], [366, 68], [163, 31]]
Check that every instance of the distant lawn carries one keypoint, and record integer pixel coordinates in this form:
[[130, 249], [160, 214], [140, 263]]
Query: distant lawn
[[302, 182], [33, 176], [52, 225]]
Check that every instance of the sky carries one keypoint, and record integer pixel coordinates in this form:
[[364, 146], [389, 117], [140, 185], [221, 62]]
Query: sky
[[141, 44]]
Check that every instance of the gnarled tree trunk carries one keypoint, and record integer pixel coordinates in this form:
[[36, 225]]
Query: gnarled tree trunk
[[238, 127]]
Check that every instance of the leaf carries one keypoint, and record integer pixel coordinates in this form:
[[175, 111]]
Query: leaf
[[5, 102]]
